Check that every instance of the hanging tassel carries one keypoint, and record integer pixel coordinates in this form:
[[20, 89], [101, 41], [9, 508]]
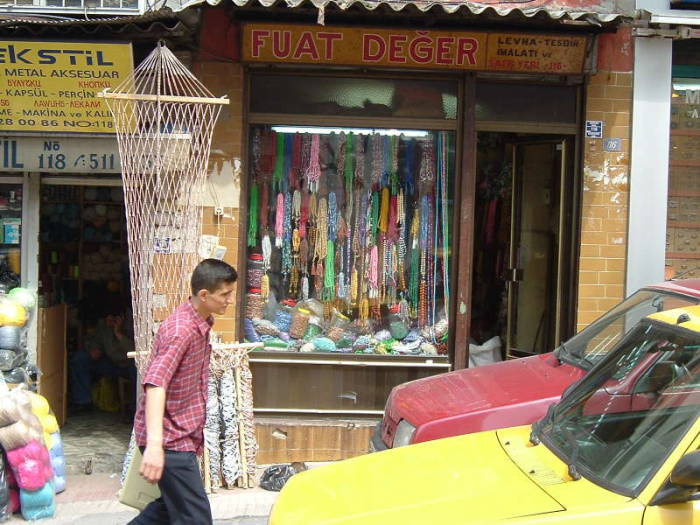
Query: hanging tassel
[[265, 286], [384, 211], [264, 207], [329, 274], [253, 216], [266, 251], [278, 174], [313, 174], [305, 288], [354, 287], [374, 217], [279, 221]]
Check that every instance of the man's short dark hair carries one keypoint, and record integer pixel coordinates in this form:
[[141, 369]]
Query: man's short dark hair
[[210, 274]]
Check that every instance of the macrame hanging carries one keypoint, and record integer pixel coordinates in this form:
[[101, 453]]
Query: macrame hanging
[[164, 120]]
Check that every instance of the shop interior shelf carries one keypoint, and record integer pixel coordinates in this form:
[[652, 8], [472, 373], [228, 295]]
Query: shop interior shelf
[[339, 359]]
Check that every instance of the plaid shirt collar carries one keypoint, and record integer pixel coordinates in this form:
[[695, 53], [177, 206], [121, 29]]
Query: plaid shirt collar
[[203, 325]]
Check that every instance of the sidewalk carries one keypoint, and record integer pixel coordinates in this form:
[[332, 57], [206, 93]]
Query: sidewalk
[[92, 500]]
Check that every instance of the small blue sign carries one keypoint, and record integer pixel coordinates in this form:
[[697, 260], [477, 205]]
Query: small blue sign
[[612, 144], [594, 129]]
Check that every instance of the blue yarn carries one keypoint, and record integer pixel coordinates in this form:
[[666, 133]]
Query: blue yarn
[[249, 331], [59, 466], [36, 499], [39, 513], [59, 484], [56, 444], [283, 319]]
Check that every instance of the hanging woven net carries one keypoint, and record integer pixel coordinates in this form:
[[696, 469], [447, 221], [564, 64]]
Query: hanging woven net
[[164, 119]]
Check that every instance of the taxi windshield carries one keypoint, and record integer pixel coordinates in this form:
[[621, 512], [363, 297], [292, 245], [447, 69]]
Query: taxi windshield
[[594, 342], [617, 426]]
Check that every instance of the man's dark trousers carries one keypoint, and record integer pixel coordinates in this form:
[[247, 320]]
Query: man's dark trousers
[[182, 498]]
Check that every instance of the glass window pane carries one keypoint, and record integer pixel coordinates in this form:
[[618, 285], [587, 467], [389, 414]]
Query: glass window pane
[[358, 97], [349, 235], [10, 234], [504, 102]]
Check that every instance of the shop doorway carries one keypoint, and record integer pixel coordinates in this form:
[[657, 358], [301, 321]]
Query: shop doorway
[[84, 275], [523, 230]]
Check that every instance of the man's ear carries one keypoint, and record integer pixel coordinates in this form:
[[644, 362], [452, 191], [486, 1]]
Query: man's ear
[[202, 295]]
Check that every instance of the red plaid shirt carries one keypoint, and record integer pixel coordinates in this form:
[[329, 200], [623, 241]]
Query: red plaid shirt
[[179, 364]]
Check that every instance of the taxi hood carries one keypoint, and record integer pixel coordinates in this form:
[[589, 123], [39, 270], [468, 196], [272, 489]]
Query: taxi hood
[[450, 481]]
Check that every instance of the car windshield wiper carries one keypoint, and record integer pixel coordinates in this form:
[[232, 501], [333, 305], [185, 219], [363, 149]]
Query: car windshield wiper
[[537, 425], [573, 469]]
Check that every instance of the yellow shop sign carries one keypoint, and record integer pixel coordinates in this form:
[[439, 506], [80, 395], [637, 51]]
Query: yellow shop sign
[[52, 86], [417, 49]]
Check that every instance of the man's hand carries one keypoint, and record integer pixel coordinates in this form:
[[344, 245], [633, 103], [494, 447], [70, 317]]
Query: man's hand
[[95, 353], [152, 463]]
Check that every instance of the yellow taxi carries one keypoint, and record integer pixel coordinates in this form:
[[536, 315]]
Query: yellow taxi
[[621, 447]]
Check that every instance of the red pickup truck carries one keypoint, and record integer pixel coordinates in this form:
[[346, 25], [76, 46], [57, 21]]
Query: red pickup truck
[[518, 391]]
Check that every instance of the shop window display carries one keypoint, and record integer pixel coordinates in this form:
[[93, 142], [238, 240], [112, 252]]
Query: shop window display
[[349, 236]]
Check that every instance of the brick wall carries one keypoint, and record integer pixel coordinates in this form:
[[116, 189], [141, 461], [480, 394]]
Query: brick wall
[[605, 194], [225, 78]]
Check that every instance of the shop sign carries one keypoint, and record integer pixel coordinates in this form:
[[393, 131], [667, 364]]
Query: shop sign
[[87, 155], [52, 86], [516, 52]]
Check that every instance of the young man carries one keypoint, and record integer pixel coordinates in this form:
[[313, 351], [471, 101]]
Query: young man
[[169, 422]]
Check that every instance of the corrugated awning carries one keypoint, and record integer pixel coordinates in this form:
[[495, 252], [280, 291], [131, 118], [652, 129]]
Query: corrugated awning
[[594, 12]]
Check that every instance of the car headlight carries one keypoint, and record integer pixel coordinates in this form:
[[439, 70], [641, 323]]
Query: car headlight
[[404, 434]]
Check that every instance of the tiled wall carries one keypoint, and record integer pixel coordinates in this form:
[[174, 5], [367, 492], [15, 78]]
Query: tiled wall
[[605, 184], [223, 78]]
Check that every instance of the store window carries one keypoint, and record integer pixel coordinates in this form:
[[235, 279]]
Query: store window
[[525, 103], [349, 239], [683, 225]]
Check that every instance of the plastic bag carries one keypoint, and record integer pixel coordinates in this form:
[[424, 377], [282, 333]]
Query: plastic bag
[[7, 359], [486, 353], [276, 476], [5, 511]]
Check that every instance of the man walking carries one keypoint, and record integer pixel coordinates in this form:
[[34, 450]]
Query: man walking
[[170, 418]]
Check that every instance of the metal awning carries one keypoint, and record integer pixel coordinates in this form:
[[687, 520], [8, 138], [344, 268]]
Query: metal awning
[[593, 12]]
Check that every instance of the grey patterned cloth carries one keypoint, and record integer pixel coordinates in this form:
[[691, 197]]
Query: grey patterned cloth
[[212, 433], [230, 445]]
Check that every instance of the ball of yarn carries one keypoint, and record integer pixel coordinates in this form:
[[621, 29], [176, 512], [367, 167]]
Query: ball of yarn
[[17, 436], [56, 449], [7, 359], [9, 410], [59, 466], [23, 296], [10, 337], [49, 423], [428, 349], [40, 406], [59, 484], [14, 500], [335, 333], [38, 504], [312, 330], [12, 313], [324, 344]]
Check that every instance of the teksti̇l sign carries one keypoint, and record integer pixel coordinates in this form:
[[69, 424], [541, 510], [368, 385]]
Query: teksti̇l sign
[[52, 86]]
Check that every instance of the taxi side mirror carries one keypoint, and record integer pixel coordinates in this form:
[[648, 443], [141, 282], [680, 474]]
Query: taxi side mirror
[[683, 483]]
